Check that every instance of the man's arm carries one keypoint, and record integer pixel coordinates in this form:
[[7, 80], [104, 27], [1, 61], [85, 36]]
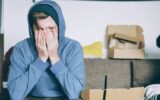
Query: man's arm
[[152, 92], [71, 74], [22, 77]]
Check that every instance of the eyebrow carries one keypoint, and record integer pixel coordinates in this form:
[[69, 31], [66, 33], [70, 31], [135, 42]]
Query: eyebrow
[[50, 27], [40, 27]]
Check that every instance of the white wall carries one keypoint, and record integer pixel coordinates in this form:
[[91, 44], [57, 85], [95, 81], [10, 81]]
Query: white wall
[[86, 21], [1, 16]]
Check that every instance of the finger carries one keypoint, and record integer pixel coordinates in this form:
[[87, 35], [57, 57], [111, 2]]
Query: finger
[[39, 38], [55, 36], [49, 36], [43, 39], [55, 33]]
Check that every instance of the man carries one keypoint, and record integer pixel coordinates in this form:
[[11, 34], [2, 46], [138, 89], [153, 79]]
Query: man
[[47, 64], [152, 91]]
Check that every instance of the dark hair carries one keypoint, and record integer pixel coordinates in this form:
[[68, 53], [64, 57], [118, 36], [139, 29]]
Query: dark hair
[[158, 41], [39, 15]]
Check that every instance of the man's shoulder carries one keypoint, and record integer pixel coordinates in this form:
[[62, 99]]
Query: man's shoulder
[[23, 43], [72, 42]]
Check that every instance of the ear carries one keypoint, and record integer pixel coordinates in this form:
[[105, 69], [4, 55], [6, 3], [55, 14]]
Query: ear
[[34, 27]]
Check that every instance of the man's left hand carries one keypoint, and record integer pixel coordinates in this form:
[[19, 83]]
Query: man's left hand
[[52, 45]]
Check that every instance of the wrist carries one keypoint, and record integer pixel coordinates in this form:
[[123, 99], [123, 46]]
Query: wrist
[[43, 59], [54, 59]]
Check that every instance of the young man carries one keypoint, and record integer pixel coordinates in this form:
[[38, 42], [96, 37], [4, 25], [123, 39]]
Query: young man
[[47, 64], [152, 91]]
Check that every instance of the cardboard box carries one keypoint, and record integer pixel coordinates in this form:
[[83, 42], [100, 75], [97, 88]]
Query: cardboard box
[[114, 94], [126, 53], [131, 30], [128, 31]]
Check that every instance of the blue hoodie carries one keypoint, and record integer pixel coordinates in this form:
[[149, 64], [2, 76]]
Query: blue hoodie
[[28, 74]]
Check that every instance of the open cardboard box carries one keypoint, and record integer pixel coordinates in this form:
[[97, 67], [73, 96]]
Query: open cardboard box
[[128, 32], [114, 94], [126, 53]]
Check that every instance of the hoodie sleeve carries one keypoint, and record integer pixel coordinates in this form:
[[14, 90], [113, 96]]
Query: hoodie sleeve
[[22, 77], [71, 74]]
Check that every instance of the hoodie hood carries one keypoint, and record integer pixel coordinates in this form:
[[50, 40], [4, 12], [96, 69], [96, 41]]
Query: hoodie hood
[[53, 10]]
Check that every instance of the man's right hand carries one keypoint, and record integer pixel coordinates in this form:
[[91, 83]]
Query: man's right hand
[[41, 44]]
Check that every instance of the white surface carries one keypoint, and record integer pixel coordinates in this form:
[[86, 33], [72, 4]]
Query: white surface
[[86, 21], [4, 84]]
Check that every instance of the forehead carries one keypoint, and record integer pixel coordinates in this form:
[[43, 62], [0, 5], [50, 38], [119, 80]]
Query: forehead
[[47, 22]]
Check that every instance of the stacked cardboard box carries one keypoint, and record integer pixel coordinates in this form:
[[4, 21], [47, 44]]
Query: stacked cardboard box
[[114, 94], [125, 42]]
